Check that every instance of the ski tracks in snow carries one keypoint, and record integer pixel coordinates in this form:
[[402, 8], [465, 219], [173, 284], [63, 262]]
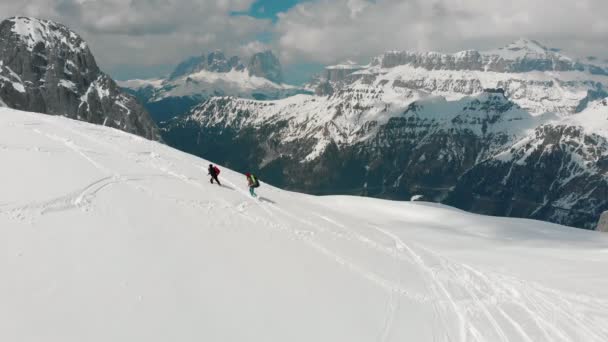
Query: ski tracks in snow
[[508, 304], [78, 199], [480, 306], [486, 307]]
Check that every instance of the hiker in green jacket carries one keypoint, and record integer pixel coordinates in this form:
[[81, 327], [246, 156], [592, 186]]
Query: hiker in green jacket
[[252, 182]]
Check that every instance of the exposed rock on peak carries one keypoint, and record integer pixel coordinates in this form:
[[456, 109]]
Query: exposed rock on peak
[[523, 55], [267, 65], [214, 62], [526, 45], [47, 68], [33, 31]]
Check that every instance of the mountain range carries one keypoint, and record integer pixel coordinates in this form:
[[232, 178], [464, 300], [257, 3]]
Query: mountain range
[[516, 131], [504, 132]]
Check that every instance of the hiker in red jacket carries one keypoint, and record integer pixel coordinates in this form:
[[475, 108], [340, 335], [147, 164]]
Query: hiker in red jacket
[[214, 171]]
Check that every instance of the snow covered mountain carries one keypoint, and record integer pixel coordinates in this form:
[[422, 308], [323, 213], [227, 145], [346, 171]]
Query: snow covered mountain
[[202, 77], [427, 124], [558, 173], [106, 236], [45, 67], [533, 76], [433, 147]]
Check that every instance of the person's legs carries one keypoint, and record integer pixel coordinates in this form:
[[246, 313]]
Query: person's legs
[[252, 192], [217, 180]]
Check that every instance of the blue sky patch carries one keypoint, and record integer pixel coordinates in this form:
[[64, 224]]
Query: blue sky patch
[[268, 9]]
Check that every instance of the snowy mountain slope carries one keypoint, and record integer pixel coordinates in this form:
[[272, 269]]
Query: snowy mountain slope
[[559, 173], [107, 236], [306, 117], [45, 67], [594, 118]]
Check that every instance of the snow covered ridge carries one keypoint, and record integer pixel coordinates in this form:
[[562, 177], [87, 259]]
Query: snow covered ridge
[[38, 31], [99, 227], [331, 120], [206, 84], [45, 67], [538, 79], [520, 56]]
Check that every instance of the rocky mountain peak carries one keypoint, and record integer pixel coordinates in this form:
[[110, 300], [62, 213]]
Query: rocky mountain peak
[[37, 33], [187, 67], [46, 47], [526, 44], [215, 61], [529, 49], [47, 68], [267, 65], [262, 64]]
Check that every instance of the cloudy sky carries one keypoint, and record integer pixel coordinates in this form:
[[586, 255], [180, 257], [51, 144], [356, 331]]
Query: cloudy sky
[[147, 37]]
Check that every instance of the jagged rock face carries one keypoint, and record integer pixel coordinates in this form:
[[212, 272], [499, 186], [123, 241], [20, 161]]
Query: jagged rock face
[[484, 153], [337, 74], [560, 173], [187, 67], [45, 67], [266, 65], [520, 56], [213, 62], [262, 64]]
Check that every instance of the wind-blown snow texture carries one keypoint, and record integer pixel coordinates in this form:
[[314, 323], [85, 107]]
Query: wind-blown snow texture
[[105, 236]]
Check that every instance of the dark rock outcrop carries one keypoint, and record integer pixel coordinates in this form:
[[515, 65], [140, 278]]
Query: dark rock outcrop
[[46, 68], [214, 62], [266, 65]]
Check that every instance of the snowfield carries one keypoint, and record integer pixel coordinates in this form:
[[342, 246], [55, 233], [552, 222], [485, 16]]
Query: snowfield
[[105, 236]]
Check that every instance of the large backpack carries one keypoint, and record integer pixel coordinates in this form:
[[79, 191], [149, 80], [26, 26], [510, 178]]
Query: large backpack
[[217, 170], [256, 182]]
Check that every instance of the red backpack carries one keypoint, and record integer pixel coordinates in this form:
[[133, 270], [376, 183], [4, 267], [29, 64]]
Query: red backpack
[[217, 170]]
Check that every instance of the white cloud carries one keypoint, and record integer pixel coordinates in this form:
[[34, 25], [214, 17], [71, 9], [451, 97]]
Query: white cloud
[[330, 30], [251, 48], [160, 32]]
